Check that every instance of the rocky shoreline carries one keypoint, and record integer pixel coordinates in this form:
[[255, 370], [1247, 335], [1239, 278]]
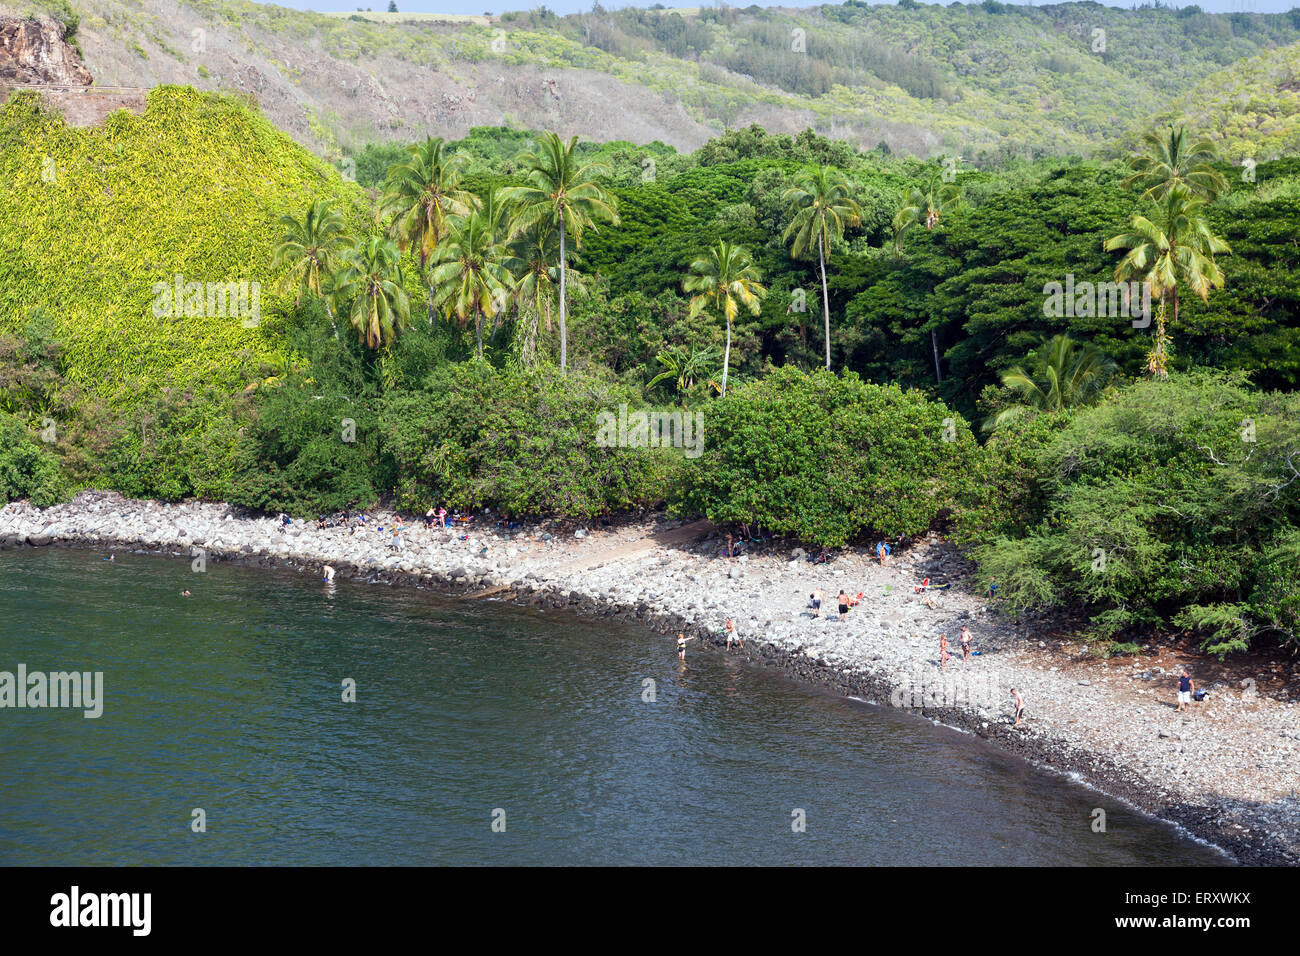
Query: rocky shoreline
[[1228, 772]]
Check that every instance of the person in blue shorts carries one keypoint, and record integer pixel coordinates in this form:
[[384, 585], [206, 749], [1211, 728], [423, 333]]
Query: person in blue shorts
[[1186, 687]]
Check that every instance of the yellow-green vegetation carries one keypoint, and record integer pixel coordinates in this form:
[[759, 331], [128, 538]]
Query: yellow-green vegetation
[[1252, 108], [91, 219]]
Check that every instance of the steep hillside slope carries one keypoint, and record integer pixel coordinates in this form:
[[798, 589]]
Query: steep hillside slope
[[1251, 109], [978, 80], [91, 219]]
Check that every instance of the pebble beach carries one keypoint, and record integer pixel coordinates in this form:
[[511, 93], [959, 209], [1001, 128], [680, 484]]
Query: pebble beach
[[1227, 770]]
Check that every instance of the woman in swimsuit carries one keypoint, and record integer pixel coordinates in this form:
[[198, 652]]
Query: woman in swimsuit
[[965, 642], [681, 646]]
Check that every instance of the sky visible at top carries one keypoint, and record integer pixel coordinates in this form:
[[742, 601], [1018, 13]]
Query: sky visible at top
[[480, 7]]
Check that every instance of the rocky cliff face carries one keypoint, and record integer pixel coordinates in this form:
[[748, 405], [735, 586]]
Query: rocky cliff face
[[33, 52]]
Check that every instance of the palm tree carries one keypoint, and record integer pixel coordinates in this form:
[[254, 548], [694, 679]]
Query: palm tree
[[564, 193], [369, 289], [422, 194], [1170, 160], [725, 279], [309, 251], [1174, 243], [469, 275], [534, 253], [822, 207], [927, 205], [1062, 374]]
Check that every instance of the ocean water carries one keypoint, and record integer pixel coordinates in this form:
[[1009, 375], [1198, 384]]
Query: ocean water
[[480, 734]]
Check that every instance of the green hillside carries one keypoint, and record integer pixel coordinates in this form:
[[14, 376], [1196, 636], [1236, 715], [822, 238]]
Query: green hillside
[[985, 81], [91, 219], [1251, 109]]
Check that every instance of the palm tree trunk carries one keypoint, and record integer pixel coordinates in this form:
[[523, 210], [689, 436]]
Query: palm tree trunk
[[726, 359], [934, 347], [549, 326], [826, 302], [478, 331], [564, 332], [424, 274], [1156, 361], [330, 312]]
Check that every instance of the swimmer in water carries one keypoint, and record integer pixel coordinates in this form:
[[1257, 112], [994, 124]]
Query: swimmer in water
[[327, 574], [185, 593]]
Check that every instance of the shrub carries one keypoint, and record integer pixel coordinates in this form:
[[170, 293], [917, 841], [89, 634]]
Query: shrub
[[520, 441], [1171, 503], [829, 459], [27, 469]]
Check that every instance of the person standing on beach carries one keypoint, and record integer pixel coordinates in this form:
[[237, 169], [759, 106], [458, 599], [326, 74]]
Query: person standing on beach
[[1019, 705], [845, 603], [943, 651], [965, 643], [815, 602], [398, 528], [733, 635], [1186, 687], [882, 552], [681, 645]]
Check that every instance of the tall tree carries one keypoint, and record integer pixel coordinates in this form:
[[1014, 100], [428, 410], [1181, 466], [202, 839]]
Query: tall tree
[[421, 195], [822, 206], [369, 290], [1169, 160], [1060, 374], [309, 251], [725, 279], [928, 205], [1173, 244], [533, 260], [469, 274], [565, 193]]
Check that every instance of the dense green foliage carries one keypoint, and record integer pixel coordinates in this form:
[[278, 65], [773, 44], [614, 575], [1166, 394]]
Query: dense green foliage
[[1172, 502], [27, 470], [520, 442], [830, 459]]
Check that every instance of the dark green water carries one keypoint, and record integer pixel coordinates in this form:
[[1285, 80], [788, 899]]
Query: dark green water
[[230, 701]]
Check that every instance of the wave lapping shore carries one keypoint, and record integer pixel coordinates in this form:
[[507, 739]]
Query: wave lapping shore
[[1228, 771]]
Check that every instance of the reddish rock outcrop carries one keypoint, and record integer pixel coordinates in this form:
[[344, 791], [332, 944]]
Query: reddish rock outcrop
[[33, 52]]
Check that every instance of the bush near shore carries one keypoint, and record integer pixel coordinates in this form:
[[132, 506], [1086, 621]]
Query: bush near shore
[[829, 459], [1172, 504]]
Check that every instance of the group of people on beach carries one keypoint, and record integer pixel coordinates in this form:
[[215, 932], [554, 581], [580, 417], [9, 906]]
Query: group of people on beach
[[846, 601]]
